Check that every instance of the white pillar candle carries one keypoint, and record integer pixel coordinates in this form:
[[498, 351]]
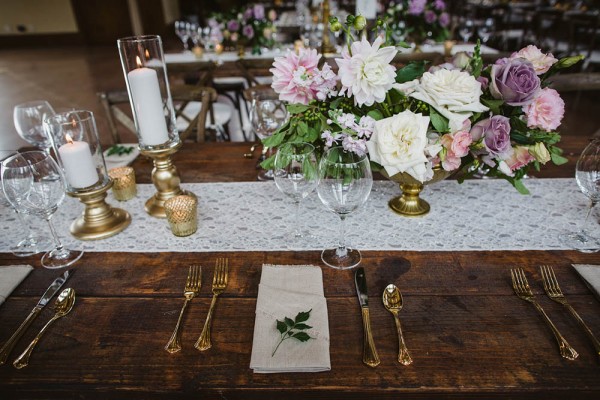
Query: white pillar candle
[[78, 164], [146, 98]]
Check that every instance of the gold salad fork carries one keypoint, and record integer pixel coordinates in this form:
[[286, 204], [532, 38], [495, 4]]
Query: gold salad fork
[[191, 290], [218, 287], [522, 289], [553, 291]]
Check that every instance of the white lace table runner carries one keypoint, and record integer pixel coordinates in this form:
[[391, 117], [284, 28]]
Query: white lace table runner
[[475, 215]]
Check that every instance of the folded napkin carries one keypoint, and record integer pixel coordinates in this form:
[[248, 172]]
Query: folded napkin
[[591, 277], [10, 277], [285, 291]]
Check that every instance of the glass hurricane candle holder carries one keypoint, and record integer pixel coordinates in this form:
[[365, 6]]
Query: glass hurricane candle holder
[[145, 73], [75, 142]]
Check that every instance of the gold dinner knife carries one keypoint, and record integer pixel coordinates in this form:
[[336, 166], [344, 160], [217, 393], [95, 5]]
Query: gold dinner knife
[[370, 356], [48, 294]]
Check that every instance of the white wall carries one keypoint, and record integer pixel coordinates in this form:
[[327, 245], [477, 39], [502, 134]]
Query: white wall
[[38, 16]]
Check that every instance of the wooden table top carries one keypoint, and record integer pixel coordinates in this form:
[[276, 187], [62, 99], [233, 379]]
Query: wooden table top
[[469, 335]]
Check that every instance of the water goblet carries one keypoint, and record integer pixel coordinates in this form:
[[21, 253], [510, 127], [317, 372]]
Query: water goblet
[[267, 115], [296, 176], [587, 175], [33, 183], [466, 30], [486, 30], [28, 119], [182, 30], [345, 181]]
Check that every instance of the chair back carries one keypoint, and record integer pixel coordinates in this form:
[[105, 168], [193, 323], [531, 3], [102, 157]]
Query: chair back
[[253, 68]]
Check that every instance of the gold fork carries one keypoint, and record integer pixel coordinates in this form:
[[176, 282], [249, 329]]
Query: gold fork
[[522, 289], [553, 291], [191, 290], [218, 287]]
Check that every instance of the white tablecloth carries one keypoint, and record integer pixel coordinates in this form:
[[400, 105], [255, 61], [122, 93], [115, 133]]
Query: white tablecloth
[[475, 215]]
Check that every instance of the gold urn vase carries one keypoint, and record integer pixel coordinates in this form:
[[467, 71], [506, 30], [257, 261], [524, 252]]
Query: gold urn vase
[[409, 204]]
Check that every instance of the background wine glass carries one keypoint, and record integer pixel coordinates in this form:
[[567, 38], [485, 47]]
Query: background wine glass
[[296, 176], [345, 181], [587, 175], [33, 183], [267, 114], [466, 30], [182, 30], [28, 119], [486, 30]]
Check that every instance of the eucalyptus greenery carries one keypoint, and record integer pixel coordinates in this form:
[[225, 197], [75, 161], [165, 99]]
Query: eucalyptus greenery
[[293, 329]]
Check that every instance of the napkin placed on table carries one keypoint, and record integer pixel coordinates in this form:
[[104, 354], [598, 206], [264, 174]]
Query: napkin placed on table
[[284, 291], [10, 277], [591, 276]]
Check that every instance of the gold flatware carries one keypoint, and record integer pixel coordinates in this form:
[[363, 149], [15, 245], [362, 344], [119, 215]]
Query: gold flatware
[[251, 154], [392, 300], [370, 356], [191, 290], [218, 286], [553, 291], [62, 306], [522, 289]]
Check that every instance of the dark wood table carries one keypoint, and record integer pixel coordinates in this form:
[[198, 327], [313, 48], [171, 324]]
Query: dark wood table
[[469, 335]]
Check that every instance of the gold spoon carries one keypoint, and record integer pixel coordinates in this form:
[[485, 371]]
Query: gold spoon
[[392, 300], [63, 305]]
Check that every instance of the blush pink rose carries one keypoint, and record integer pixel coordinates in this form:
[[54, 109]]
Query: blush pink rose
[[519, 158], [461, 141], [545, 111], [541, 61], [450, 161]]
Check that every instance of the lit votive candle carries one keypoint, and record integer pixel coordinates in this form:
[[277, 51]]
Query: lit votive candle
[[182, 214], [124, 187], [78, 163], [146, 98]]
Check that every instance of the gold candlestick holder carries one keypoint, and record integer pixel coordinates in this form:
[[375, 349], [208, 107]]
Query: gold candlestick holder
[[99, 220], [326, 46], [165, 178]]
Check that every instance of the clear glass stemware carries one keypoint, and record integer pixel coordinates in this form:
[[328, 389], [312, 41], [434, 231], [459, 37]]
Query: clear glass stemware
[[28, 119], [466, 30], [345, 181], [587, 175], [296, 176], [33, 183], [182, 30]]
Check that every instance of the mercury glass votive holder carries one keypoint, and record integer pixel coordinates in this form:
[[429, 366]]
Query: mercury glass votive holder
[[124, 187], [182, 214]]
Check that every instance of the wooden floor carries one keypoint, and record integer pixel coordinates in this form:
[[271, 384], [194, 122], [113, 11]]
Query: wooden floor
[[70, 77]]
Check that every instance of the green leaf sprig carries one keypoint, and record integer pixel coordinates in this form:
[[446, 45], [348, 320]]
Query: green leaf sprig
[[293, 329], [119, 150]]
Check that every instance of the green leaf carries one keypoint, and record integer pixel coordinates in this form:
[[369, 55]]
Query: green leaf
[[289, 322], [375, 114], [558, 159], [275, 139], [518, 184], [301, 336], [410, 72], [439, 122], [269, 163], [296, 108], [281, 327], [302, 316], [568, 62], [302, 128], [302, 326], [493, 105]]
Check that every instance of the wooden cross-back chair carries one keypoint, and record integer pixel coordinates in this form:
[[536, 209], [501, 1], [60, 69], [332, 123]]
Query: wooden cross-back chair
[[113, 101], [253, 68], [401, 59]]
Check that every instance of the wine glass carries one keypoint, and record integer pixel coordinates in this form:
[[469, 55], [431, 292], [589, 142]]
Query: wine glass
[[345, 181], [466, 30], [33, 183], [296, 176], [587, 175], [182, 30], [267, 115], [28, 119], [486, 30]]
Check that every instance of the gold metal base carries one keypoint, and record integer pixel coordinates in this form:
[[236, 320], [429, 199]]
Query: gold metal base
[[166, 180], [99, 220], [410, 204]]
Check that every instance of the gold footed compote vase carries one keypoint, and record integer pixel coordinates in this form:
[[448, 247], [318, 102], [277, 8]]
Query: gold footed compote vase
[[409, 204]]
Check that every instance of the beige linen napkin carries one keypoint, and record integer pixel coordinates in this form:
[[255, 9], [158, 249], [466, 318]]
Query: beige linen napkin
[[284, 291], [591, 276], [10, 277]]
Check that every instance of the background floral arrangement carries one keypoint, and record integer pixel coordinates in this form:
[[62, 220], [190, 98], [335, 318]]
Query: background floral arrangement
[[251, 26], [500, 119], [418, 20]]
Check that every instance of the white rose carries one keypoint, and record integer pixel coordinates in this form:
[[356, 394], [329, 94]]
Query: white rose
[[398, 144], [453, 93]]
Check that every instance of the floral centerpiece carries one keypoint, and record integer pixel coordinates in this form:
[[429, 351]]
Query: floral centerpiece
[[418, 20], [500, 119], [251, 26]]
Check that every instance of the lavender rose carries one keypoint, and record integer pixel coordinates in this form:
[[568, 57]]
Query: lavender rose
[[248, 32], [233, 25], [444, 19], [259, 11], [430, 17], [496, 134], [514, 81]]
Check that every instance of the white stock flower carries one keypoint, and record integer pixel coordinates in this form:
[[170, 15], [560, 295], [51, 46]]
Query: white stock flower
[[398, 144], [367, 74], [453, 93]]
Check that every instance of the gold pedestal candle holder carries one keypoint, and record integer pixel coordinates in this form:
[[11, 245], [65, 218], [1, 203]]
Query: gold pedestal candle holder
[[99, 220], [165, 178], [326, 46]]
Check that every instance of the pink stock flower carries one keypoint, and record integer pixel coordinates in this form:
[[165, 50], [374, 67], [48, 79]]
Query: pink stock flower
[[520, 157], [541, 61], [461, 141], [451, 160], [545, 111]]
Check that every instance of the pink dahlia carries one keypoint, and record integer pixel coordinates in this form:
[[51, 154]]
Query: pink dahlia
[[545, 111]]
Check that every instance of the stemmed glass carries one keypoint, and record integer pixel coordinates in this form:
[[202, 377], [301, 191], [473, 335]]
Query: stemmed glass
[[33, 183], [345, 181], [587, 175], [267, 115], [28, 119], [466, 30], [486, 30], [296, 176], [182, 30]]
